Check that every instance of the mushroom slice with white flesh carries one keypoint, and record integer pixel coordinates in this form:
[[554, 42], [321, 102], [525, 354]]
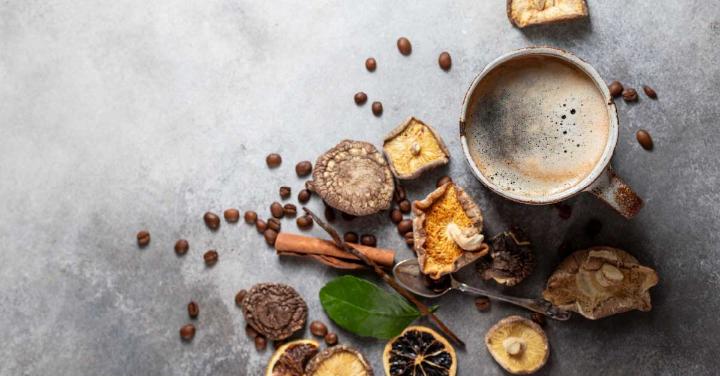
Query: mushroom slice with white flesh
[[519, 345], [524, 13]]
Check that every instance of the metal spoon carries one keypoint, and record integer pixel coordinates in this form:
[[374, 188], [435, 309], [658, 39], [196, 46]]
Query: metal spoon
[[407, 273]]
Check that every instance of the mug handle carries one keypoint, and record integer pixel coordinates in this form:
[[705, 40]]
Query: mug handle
[[614, 192]]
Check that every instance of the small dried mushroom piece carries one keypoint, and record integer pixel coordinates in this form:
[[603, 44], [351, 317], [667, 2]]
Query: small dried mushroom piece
[[413, 148], [511, 258], [339, 360], [354, 178], [447, 231], [519, 345], [599, 282], [291, 358], [523, 13], [274, 310]]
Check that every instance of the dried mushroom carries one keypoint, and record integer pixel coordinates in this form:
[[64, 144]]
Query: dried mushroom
[[523, 13], [274, 310], [339, 360], [292, 358], [419, 351], [413, 148], [599, 282], [354, 178], [447, 231], [519, 345], [511, 258]]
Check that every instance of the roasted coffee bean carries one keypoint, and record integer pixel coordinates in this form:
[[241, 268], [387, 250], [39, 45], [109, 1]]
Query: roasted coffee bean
[[304, 222], [643, 137], [593, 227], [396, 215], [303, 168], [181, 247], [370, 64], [377, 108], [405, 226], [442, 181], [630, 95], [539, 318], [482, 303], [212, 221], [143, 238], [399, 194], [193, 310], [616, 88], [564, 210], [444, 61], [276, 209], [211, 257], [260, 343], [187, 332], [405, 206], [368, 240], [346, 216], [410, 238], [360, 98], [274, 224], [351, 237], [250, 217], [285, 192], [261, 226], [290, 210], [649, 92], [318, 329], [270, 236], [331, 339], [232, 215], [304, 196], [273, 160], [404, 46], [250, 332], [239, 297], [329, 213]]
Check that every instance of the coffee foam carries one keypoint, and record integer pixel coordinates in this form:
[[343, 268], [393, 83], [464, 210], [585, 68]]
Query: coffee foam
[[537, 126]]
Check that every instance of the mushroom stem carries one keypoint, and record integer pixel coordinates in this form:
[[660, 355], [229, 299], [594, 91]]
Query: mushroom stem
[[514, 345], [415, 148]]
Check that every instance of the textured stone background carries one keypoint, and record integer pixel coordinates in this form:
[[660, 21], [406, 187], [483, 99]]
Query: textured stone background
[[121, 115]]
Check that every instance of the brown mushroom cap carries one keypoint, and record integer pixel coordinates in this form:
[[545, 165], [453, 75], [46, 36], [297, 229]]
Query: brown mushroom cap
[[274, 310], [414, 147], [511, 258], [519, 345], [599, 282], [354, 178]]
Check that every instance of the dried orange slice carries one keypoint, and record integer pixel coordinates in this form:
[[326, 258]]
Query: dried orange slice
[[419, 351]]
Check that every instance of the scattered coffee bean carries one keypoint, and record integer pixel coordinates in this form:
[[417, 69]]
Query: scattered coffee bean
[[274, 224], [276, 209], [261, 226], [445, 61], [370, 64], [346, 216], [351, 237], [643, 137], [399, 194], [630, 95], [404, 46], [593, 227], [143, 238], [250, 332], [303, 168], [270, 236], [260, 343], [329, 213], [318, 329], [231, 215], [239, 297], [273, 160], [539, 318], [211, 257], [360, 98], [250, 217], [405, 226], [331, 339], [304, 196], [396, 215], [482, 303], [377, 108], [285, 192], [564, 210], [304, 222], [290, 210], [650, 92], [616, 88], [405, 206], [442, 181], [212, 221], [193, 310], [410, 238], [187, 332], [368, 240], [181, 247]]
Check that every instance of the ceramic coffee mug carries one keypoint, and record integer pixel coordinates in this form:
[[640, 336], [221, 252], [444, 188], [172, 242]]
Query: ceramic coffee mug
[[538, 126]]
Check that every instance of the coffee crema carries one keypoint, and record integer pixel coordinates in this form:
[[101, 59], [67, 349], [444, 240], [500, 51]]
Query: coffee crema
[[538, 126]]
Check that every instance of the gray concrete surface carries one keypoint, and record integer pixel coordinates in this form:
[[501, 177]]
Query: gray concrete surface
[[117, 116]]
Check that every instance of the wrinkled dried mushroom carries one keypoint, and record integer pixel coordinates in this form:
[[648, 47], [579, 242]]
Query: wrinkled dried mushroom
[[413, 148], [339, 360], [511, 258], [519, 345], [447, 231], [599, 282], [523, 13], [354, 178], [291, 358], [274, 310]]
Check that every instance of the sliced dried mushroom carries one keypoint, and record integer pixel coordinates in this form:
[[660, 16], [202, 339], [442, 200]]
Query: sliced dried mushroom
[[523, 13], [599, 282], [413, 148], [511, 258], [354, 178], [447, 231], [274, 310], [291, 358], [339, 360], [519, 345]]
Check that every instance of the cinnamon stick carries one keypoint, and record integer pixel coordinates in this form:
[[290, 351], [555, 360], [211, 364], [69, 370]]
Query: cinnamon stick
[[302, 245]]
